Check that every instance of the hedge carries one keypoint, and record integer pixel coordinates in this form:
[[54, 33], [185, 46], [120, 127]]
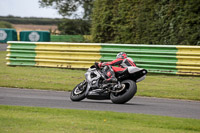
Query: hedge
[[168, 22]]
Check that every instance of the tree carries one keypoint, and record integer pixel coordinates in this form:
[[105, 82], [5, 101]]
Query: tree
[[74, 27], [69, 7], [4, 24], [146, 21]]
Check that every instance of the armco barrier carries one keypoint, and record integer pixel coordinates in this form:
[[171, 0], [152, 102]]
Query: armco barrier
[[182, 60], [67, 55]]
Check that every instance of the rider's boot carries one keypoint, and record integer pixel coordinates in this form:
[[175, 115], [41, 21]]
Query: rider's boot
[[111, 78]]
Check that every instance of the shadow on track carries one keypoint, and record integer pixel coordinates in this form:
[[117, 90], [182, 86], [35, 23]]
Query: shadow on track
[[110, 103]]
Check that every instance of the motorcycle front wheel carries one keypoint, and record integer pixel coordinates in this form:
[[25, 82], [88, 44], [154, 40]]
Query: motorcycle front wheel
[[125, 95], [78, 93]]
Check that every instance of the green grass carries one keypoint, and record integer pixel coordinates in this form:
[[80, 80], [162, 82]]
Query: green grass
[[170, 86], [164, 86], [14, 119], [38, 77]]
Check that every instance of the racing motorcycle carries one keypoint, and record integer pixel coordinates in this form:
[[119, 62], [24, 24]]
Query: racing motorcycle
[[121, 92]]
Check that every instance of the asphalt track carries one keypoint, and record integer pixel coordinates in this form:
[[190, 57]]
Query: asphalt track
[[60, 99], [3, 47]]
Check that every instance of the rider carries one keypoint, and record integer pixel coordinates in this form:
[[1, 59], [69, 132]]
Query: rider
[[122, 60]]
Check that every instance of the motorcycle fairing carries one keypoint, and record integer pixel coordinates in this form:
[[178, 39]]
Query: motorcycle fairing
[[138, 74], [92, 77], [134, 73]]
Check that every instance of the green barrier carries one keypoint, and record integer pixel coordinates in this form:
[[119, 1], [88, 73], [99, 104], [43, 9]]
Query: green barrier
[[154, 58], [66, 55], [67, 38], [35, 36], [8, 35], [169, 59], [22, 54]]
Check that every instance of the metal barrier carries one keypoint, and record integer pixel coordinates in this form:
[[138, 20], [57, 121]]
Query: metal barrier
[[168, 59], [155, 58], [67, 55], [188, 60]]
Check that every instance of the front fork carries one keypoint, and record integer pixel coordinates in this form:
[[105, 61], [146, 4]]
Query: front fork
[[81, 84], [87, 90]]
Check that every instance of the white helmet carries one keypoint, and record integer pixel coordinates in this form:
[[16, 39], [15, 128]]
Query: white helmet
[[122, 55]]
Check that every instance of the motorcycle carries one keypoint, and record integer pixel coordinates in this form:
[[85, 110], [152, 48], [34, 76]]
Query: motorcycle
[[119, 93]]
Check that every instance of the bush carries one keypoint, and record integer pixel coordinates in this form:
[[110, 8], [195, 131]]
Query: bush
[[147, 22], [74, 27], [4, 24]]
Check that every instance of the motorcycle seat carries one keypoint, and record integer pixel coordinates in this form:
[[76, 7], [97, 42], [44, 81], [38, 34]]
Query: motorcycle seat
[[119, 73]]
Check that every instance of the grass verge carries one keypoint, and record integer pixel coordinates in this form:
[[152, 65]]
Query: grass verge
[[46, 120], [164, 86], [38, 77]]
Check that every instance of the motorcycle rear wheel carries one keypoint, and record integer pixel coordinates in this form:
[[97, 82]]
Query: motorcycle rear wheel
[[78, 93], [126, 94]]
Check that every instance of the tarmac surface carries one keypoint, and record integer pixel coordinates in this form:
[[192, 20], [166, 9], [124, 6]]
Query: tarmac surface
[[3, 46], [61, 99]]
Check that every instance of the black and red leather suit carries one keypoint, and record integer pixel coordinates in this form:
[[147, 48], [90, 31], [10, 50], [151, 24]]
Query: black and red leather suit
[[110, 67]]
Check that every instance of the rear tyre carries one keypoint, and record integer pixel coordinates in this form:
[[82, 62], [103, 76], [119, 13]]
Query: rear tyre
[[78, 93], [126, 94]]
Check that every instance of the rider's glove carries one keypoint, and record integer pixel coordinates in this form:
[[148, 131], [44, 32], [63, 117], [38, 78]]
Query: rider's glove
[[101, 65]]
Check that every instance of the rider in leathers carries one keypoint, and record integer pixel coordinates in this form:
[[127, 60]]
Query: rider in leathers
[[109, 70]]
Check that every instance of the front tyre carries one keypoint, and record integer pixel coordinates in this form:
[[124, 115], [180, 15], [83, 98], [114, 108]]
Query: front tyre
[[126, 94], [78, 93]]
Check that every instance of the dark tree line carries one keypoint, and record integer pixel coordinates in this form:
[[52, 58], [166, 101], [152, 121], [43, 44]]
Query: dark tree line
[[30, 20], [65, 26], [171, 22]]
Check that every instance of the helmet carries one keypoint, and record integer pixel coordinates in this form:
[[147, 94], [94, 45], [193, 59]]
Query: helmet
[[121, 55]]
